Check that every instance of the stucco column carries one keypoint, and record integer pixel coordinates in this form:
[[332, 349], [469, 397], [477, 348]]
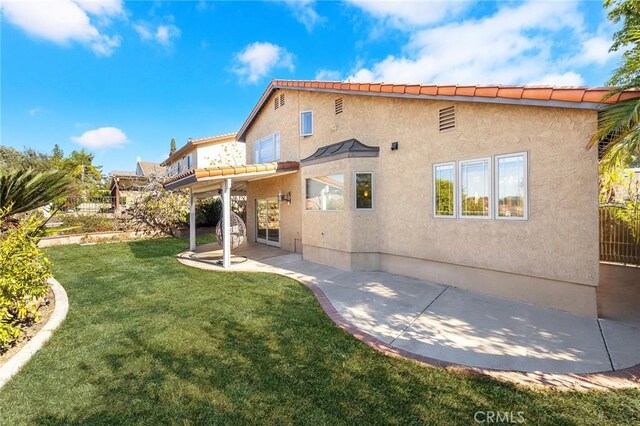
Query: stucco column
[[192, 221], [226, 223]]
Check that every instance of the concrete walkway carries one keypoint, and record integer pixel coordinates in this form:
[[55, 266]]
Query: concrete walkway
[[452, 325]]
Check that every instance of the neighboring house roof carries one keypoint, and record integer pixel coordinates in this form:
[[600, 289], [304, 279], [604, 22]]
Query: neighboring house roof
[[120, 173], [147, 168], [345, 149], [221, 172], [227, 137], [567, 97]]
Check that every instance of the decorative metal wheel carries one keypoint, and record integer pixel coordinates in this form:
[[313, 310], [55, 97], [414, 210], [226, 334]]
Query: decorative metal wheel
[[237, 228]]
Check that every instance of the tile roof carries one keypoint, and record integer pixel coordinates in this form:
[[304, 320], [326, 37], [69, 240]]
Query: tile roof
[[200, 141], [232, 171], [345, 149], [570, 97]]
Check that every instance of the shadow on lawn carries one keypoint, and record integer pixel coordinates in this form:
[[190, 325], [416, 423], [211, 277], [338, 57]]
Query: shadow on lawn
[[292, 367]]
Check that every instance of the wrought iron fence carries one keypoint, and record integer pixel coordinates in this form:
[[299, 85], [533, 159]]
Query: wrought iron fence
[[620, 235], [103, 204]]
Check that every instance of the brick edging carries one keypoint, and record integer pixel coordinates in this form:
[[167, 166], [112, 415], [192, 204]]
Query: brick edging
[[606, 380], [625, 378]]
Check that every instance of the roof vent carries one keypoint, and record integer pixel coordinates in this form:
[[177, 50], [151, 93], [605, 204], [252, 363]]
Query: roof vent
[[447, 118], [338, 106]]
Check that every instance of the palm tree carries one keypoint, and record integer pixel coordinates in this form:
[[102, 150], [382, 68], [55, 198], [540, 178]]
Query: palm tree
[[24, 190], [618, 131], [618, 123]]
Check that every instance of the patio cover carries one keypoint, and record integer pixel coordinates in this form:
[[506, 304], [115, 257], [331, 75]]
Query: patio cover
[[204, 182]]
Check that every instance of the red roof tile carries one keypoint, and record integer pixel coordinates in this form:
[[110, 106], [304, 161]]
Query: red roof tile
[[230, 171]]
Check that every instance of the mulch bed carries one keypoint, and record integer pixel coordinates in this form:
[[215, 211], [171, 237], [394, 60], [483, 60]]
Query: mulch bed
[[45, 312]]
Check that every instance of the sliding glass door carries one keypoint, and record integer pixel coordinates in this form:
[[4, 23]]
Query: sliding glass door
[[268, 221]]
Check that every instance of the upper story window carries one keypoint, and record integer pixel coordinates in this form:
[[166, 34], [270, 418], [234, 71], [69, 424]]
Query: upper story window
[[511, 186], [306, 123], [267, 149], [475, 188]]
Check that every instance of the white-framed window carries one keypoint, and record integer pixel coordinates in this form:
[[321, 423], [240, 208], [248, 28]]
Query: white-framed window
[[189, 162], [474, 188], [444, 190], [267, 149], [511, 191], [363, 190], [325, 193], [306, 123]]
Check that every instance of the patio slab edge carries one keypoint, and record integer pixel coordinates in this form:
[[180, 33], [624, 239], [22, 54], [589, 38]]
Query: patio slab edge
[[627, 378], [19, 359]]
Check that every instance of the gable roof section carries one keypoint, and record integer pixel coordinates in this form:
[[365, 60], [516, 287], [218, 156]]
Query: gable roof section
[[566, 97], [147, 168], [227, 137], [346, 149]]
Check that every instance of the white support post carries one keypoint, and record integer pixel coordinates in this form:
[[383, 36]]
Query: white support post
[[192, 221], [226, 223]]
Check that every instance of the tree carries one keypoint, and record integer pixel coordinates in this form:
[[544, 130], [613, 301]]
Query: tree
[[88, 176], [158, 209], [619, 123], [57, 157], [172, 149], [24, 190], [11, 158]]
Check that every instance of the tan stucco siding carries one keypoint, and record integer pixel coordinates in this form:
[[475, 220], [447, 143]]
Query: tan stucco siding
[[290, 216], [558, 242]]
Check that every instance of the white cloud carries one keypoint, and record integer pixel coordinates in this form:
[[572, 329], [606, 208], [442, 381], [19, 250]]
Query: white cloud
[[259, 59], [328, 75], [517, 44], [66, 21], [569, 78], [35, 111], [163, 34], [103, 137], [404, 14], [305, 12], [595, 50]]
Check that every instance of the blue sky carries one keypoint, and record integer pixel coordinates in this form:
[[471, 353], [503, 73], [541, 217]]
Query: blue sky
[[123, 78]]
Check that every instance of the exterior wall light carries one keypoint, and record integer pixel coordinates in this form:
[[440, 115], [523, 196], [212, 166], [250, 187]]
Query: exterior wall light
[[394, 146], [284, 197]]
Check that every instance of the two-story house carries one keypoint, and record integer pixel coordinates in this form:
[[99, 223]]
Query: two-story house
[[205, 152], [488, 188]]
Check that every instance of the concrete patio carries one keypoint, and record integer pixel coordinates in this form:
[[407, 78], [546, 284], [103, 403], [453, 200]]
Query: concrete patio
[[449, 324]]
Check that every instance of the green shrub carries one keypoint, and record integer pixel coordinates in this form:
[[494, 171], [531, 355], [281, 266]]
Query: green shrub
[[82, 223], [208, 212], [24, 271]]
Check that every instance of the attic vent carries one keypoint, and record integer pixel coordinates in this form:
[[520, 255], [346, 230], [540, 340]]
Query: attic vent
[[338, 106], [281, 99], [447, 118], [276, 102]]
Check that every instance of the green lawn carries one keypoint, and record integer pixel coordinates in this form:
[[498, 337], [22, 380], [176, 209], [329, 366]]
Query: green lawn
[[150, 341]]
